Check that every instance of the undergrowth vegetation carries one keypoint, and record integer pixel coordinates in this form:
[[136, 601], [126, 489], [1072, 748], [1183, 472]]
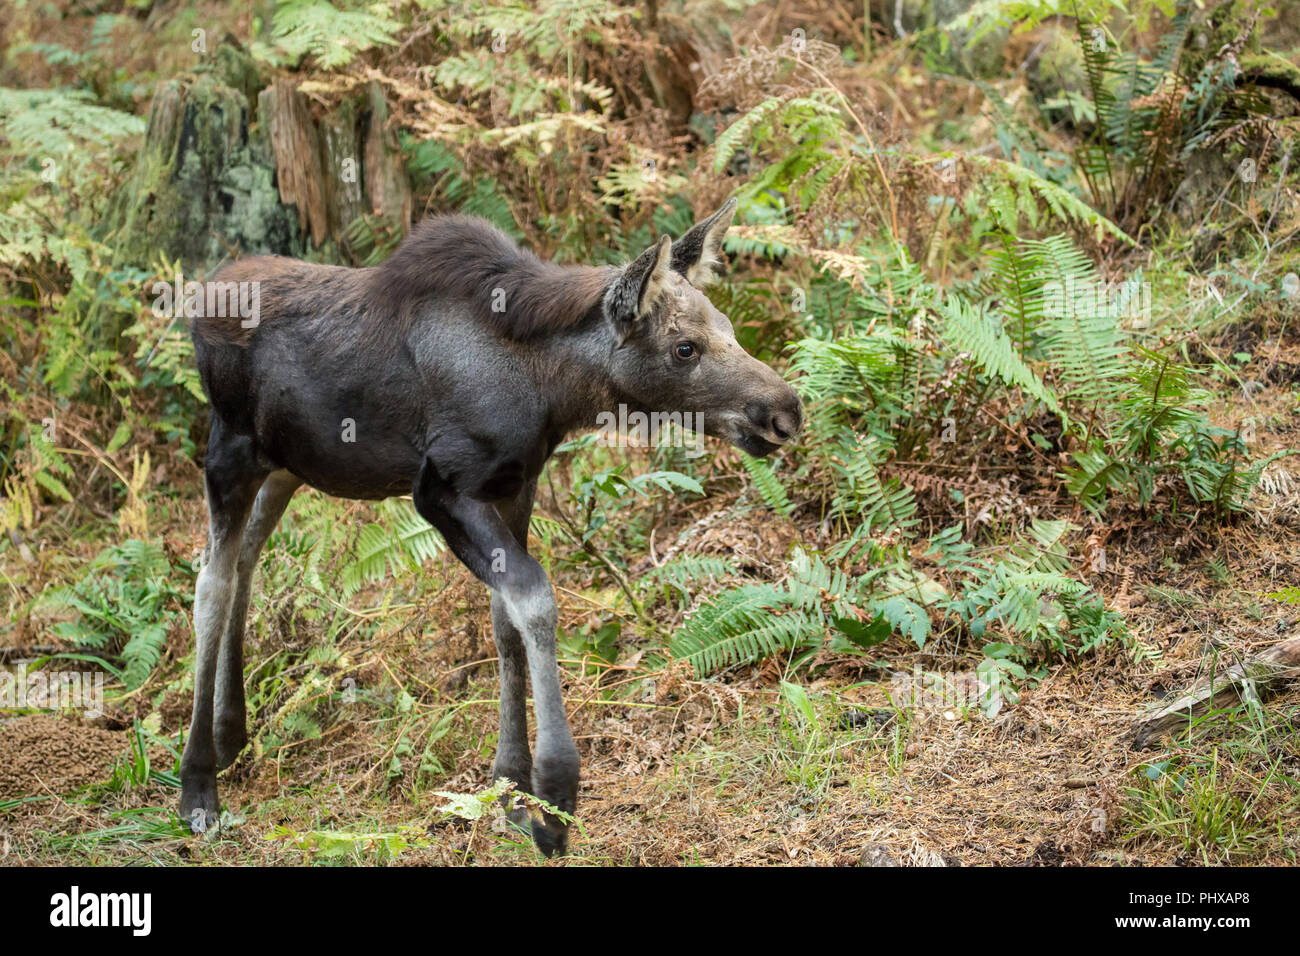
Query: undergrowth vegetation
[[1013, 319]]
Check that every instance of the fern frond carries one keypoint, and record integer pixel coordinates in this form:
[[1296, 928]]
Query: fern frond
[[688, 573], [404, 541], [774, 110], [736, 627], [879, 503], [1042, 549], [1081, 337], [906, 617], [974, 331], [1018, 183], [768, 485], [1096, 475], [332, 35]]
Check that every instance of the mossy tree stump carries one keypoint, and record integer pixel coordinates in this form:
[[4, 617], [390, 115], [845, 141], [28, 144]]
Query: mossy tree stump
[[203, 188], [219, 176]]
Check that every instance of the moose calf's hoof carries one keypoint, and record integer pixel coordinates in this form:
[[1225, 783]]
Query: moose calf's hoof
[[199, 809], [551, 836], [555, 780]]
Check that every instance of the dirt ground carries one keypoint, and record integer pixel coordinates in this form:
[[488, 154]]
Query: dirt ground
[[715, 772], [48, 755]]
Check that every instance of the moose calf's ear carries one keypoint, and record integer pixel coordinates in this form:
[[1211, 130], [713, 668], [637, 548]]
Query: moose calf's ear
[[697, 255], [638, 287]]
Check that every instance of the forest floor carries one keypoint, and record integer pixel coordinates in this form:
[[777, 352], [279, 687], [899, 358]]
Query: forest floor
[[725, 771]]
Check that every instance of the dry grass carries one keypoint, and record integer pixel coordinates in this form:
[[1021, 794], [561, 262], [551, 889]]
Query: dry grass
[[684, 771]]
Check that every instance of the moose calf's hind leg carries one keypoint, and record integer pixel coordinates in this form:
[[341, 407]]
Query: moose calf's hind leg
[[232, 483], [230, 730], [213, 595]]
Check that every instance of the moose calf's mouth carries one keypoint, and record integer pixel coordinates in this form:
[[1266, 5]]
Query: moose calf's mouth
[[764, 428], [755, 444], [762, 442]]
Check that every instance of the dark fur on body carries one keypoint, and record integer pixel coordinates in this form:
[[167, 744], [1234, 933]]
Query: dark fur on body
[[460, 257], [336, 344]]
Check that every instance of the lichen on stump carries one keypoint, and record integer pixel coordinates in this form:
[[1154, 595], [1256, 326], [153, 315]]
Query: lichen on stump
[[220, 177], [203, 189]]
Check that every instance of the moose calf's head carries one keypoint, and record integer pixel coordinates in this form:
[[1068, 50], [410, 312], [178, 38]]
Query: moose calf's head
[[677, 353]]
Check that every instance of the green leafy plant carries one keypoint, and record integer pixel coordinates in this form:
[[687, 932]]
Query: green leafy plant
[[334, 33], [123, 607]]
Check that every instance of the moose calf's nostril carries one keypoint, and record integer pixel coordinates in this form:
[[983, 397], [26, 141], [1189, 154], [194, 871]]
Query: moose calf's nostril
[[784, 425], [757, 413], [787, 421]]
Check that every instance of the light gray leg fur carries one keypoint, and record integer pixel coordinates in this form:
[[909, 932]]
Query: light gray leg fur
[[230, 731]]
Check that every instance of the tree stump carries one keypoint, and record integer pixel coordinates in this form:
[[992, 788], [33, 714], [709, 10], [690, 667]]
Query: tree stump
[[219, 176], [337, 167], [203, 188]]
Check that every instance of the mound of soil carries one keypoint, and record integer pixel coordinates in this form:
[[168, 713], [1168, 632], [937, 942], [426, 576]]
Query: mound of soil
[[41, 755]]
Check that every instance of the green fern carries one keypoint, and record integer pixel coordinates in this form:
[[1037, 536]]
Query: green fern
[[1083, 341], [55, 152], [1042, 550], [59, 123], [738, 626], [878, 502], [768, 485], [334, 35], [1014, 191], [400, 543], [123, 607], [445, 174], [1097, 474], [688, 573], [816, 604], [758, 122], [371, 238], [906, 617], [1018, 286], [971, 330]]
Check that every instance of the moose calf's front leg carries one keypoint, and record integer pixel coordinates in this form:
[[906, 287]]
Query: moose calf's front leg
[[481, 539], [514, 759], [530, 603]]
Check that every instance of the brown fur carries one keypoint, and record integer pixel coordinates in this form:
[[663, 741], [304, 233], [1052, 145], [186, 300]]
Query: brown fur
[[453, 256]]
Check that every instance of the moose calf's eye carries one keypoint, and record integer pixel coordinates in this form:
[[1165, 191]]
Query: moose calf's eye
[[685, 350]]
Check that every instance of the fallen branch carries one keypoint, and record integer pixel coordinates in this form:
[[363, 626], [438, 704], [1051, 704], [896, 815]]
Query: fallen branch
[[1244, 681]]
